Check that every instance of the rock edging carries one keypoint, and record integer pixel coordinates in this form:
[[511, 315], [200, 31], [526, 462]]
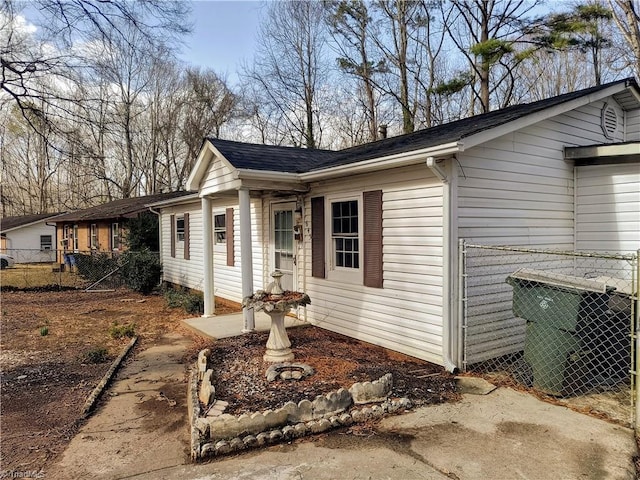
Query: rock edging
[[219, 434], [97, 391]]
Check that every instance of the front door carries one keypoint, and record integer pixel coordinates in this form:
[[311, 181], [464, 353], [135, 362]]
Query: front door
[[283, 245]]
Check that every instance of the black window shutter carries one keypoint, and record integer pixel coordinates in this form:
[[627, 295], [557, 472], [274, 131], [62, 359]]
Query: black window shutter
[[372, 209], [228, 224], [173, 235], [186, 237], [317, 238]]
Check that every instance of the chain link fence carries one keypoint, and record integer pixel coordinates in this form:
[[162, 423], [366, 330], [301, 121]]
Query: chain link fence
[[90, 270], [558, 323]]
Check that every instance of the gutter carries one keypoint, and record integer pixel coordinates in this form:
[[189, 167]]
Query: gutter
[[397, 160], [449, 341]]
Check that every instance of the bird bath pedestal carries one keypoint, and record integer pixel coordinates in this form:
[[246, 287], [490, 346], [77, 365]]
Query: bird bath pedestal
[[276, 303]]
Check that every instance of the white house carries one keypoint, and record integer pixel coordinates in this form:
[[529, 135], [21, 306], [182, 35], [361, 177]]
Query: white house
[[29, 238], [371, 233]]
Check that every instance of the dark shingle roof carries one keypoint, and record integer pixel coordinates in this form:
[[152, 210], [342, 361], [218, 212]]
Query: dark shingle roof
[[126, 207], [7, 223], [300, 160], [253, 156]]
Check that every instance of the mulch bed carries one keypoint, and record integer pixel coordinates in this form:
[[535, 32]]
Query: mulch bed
[[338, 361]]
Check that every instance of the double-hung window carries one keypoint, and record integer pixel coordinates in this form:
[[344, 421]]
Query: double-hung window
[[345, 234], [346, 238], [220, 229], [115, 236], [180, 228], [93, 236]]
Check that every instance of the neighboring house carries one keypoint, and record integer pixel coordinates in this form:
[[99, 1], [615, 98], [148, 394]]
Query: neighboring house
[[371, 233], [101, 228], [29, 238]]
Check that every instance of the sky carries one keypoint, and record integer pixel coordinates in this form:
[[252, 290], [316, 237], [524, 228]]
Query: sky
[[224, 34]]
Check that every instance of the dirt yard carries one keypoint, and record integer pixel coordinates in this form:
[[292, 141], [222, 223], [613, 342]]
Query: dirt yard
[[56, 346]]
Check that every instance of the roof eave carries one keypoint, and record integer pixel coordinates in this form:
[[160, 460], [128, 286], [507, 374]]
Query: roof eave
[[45, 219], [381, 163], [541, 115], [174, 201]]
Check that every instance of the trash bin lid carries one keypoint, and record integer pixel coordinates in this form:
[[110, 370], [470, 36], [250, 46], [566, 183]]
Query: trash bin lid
[[622, 286], [561, 281]]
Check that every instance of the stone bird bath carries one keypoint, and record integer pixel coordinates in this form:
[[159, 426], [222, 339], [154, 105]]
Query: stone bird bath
[[276, 303]]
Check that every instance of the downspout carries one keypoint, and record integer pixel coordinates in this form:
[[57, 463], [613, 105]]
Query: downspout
[[448, 339]]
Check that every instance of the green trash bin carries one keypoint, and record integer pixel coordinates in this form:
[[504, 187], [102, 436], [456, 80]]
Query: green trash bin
[[559, 310]]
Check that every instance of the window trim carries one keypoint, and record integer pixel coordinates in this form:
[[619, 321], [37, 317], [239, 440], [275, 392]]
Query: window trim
[[93, 237], [179, 233], [76, 242], [115, 236], [220, 229], [343, 274], [43, 245]]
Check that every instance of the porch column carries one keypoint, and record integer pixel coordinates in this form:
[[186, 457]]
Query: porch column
[[246, 258], [207, 239]]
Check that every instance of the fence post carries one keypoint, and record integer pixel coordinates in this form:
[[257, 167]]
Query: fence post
[[635, 300], [462, 321]]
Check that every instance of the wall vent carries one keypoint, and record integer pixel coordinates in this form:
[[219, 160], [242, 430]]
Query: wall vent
[[609, 121]]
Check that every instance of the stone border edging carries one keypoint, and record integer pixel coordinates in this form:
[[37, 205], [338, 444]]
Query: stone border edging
[[97, 391], [226, 433]]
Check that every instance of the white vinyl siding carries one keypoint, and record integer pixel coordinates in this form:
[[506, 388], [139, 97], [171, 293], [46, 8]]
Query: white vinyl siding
[[517, 190], [23, 243], [633, 126], [177, 270], [218, 178], [608, 208], [405, 315], [190, 273]]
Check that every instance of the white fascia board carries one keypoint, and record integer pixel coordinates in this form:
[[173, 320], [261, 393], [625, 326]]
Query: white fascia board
[[212, 191], [248, 174], [175, 201], [381, 163], [609, 150], [533, 118], [199, 169]]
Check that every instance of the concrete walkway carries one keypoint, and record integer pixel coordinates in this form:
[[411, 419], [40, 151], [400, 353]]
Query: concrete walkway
[[503, 435], [141, 433], [224, 326]]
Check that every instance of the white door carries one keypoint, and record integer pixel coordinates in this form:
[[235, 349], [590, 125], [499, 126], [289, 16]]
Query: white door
[[283, 245]]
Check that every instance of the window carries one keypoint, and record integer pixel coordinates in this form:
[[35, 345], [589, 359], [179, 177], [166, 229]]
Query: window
[[180, 234], [344, 234], [75, 238], [352, 250], [219, 229], [45, 242], [115, 236], [93, 236], [180, 229], [66, 237]]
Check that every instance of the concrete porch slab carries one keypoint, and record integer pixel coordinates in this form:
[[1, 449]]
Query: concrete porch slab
[[225, 326]]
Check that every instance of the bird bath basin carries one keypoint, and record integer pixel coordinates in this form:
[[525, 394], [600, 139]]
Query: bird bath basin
[[276, 303]]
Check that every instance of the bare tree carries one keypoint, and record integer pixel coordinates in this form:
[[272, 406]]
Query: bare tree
[[626, 15], [67, 25], [290, 66]]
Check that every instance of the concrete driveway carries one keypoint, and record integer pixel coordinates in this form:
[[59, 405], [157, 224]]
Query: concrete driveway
[[502, 435]]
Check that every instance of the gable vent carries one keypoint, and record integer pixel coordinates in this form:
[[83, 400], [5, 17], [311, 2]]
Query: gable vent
[[609, 121]]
